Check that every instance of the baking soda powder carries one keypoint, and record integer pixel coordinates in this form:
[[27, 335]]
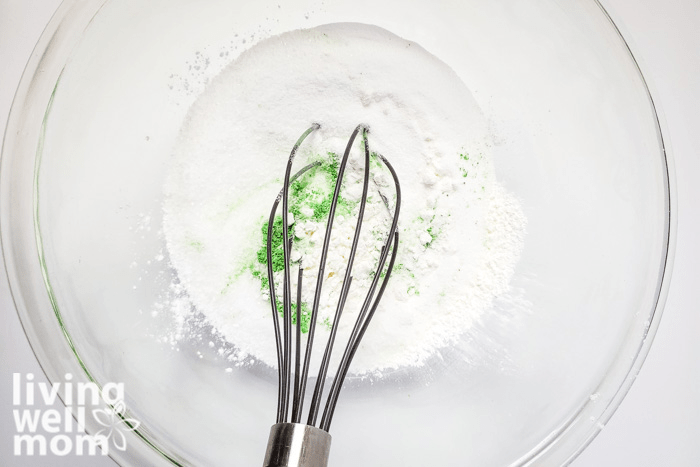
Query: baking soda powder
[[461, 231]]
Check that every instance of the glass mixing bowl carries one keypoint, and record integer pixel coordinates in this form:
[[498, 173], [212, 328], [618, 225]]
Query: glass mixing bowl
[[88, 143]]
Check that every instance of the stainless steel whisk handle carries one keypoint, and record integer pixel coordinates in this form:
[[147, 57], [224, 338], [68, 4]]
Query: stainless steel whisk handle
[[297, 445]]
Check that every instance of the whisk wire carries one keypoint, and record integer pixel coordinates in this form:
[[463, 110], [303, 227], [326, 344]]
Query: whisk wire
[[285, 339], [275, 316], [353, 345], [286, 244], [283, 377], [297, 345], [364, 318], [318, 391], [321, 272]]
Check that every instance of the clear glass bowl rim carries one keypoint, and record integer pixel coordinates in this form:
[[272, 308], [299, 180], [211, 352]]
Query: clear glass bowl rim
[[30, 286]]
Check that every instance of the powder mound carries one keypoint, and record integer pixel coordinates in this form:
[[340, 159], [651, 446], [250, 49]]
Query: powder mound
[[461, 233]]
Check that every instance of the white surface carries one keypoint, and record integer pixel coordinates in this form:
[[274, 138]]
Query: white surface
[[658, 424]]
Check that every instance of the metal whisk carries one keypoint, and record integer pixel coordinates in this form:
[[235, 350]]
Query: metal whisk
[[291, 443]]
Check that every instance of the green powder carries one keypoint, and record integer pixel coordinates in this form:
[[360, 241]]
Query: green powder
[[310, 193], [264, 281], [310, 199], [276, 244], [305, 314], [195, 244]]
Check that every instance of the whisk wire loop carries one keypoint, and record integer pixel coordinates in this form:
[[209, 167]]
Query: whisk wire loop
[[296, 417], [318, 390], [364, 318], [284, 338], [281, 395]]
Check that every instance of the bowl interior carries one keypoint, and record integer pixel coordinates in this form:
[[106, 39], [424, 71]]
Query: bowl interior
[[578, 144]]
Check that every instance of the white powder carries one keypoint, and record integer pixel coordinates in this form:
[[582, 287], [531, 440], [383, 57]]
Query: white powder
[[461, 232]]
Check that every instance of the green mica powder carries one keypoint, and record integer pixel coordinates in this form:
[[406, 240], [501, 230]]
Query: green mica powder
[[430, 227], [433, 232], [276, 244], [310, 199], [305, 314], [196, 245]]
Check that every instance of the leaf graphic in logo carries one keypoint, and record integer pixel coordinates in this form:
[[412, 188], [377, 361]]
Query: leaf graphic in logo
[[115, 423]]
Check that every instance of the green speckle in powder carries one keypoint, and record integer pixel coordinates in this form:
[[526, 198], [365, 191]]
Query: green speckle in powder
[[403, 270], [412, 290], [310, 198], [276, 244], [374, 161], [332, 165], [305, 316], [327, 323], [433, 232], [195, 244], [321, 208], [233, 277], [262, 277], [429, 226]]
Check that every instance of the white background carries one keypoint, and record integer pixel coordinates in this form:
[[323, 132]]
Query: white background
[[658, 424]]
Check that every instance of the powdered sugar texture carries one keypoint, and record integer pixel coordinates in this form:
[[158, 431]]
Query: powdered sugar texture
[[461, 232]]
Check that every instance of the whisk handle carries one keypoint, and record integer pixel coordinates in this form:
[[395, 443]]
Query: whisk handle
[[297, 445]]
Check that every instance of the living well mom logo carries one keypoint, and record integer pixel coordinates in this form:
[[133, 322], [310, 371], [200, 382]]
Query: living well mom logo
[[42, 428]]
